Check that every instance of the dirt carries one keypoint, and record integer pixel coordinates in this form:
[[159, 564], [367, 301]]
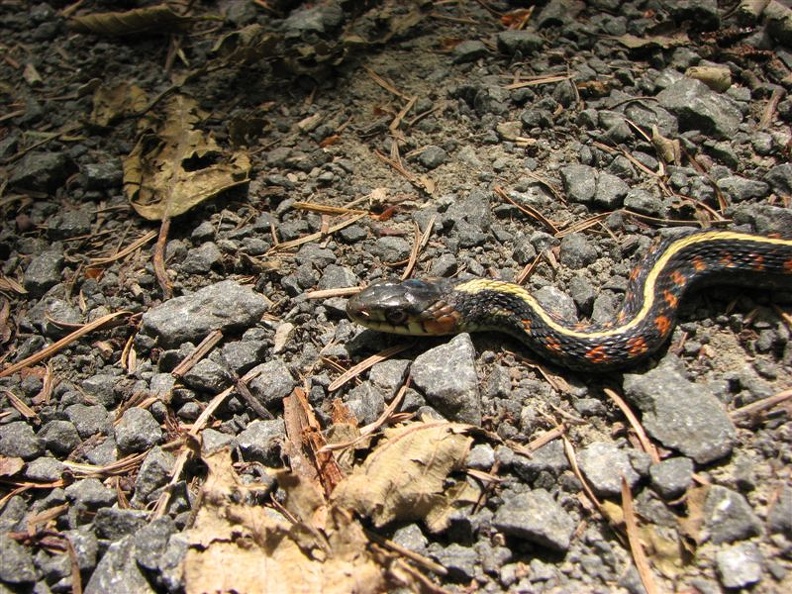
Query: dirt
[[386, 109]]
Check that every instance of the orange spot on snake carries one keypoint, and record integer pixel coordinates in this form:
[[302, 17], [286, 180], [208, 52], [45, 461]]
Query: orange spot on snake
[[670, 298], [527, 326], [445, 324], [699, 264], [678, 278], [758, 262], [553, 344], [788, 266], [597, 354], [663, 324], [727, 260], [636, 346]]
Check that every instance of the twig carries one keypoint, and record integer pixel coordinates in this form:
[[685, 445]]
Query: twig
[[633, 538], [367, 363], [159, 258], [62, 343]]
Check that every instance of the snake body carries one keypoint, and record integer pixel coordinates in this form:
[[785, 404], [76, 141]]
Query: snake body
[[643, 324]]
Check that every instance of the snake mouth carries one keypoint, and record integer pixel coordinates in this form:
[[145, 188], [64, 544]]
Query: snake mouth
[[412, 308]]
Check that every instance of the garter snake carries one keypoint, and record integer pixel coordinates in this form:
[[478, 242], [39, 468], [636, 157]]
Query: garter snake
[[642, 325]]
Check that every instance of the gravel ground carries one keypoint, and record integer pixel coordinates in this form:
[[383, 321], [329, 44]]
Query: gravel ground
[[570, 142]]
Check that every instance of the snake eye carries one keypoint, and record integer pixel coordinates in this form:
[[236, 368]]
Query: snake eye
[[396, 317]]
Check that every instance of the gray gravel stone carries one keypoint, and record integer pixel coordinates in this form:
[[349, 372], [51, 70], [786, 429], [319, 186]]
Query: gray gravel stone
[[447, 377], [44, 469], [44, 272], [261, 442], [740, 189], [391, 249], [604, 465], [681, 415], [556, 301], [469, 51], [643, 202], [460, 561], [780, 178], [203, 259], [366, 402], [137, 431], [102, 388], [16, 562], [18, 440], [273, 383], [223, 306], [524, 41], [42, 172], [337, 277], [580, 183], [432, 156], [576, 251], [86, 546], [70, 223], [739, 566], [728, 517], [153, 474], [101, 176], [118, 571], [537, 517], [389, 375], [60, 437], [208, 376], [672, 477], [89, 420], [700, 108], [780, 517], [90, 493], [112, 523], [242, 355], [610, 191]]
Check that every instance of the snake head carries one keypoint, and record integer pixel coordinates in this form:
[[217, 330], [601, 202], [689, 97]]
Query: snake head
[[414, 307]]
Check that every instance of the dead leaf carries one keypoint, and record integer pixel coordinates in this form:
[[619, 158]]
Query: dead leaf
[[406, 476], [10, 466], [5, 325], [178, 167], [115, 102], [246, 45], [239, 548], [691, 527], [139, 21]]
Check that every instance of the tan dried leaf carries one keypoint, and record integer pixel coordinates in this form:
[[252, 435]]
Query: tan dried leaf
[[114, 102], [178, 167], [239, 548], [405, 477], [139, 21]]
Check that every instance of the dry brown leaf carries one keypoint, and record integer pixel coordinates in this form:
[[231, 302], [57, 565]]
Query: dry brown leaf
[[140, 21], [10, 466], [238, 548], [117, 101], [9, 284], [246, 45], [405, 477], [178, 167]]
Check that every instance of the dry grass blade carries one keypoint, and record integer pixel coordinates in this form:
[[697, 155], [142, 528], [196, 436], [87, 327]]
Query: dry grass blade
[[203, 349], [367, 363], [22, 408], [569, 450], [536, 81], [327, 293], [425, 562], [126, 251], [317, 236], [646, 444], [385, 84], [119, 467], [528, 210], [584, 224], [62, 343], [420, 241], [638, 554], [755, 408]]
